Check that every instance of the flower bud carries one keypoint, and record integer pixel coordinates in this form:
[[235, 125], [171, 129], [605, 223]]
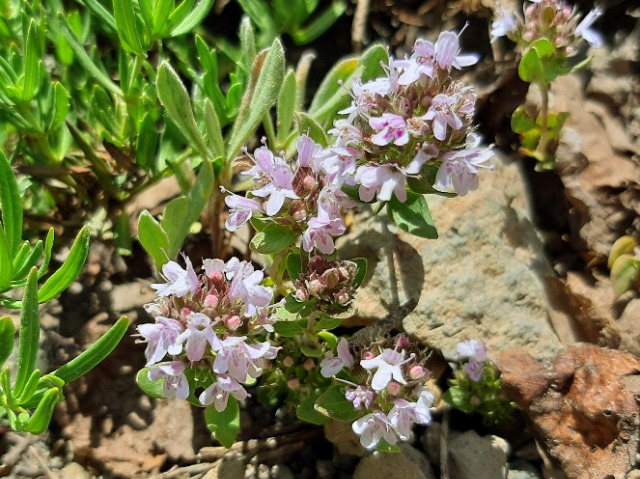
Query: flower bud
[[211, 301], [309, 364], [316, 288], [288, 361], [233, 322], [302, 295], [293, 384], [394, 388]]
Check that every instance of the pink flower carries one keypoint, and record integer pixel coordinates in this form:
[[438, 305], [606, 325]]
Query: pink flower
[[199, 332], [179, 281], [459, 168], [381, 181], [443, 112], [161, 338], [473, 349], [241, 209], [388, 365], [246, 286], [447, 52], [330, 365], [280, 188], [421, 62], [390, 128], [320, 232], [373, 427], [239, 359], [175, 382], [218, 392], [361, 397]]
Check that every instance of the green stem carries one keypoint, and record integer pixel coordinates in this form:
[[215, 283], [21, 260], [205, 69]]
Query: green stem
[[544, 113]]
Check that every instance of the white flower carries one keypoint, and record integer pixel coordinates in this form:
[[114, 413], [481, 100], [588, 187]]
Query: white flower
[[388, 365], [373, 427], [585, 31]]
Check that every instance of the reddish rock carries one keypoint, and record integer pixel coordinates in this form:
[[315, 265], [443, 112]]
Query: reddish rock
[[584, 408]]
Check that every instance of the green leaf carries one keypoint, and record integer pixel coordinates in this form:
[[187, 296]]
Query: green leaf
[[262, 92], [224, 425], [327, 323], [294, 266], [530, 68], [320, 23], [29, 333], [150, 388], [286, 105], [413, 216], [10, 206], [273, 239], [127, 29], [83, 58], [160, 16], [288, 329], [147, 143], [423, 182], [41, 418], [306, 411], [332, 403], [308, 126], [329, 338], [362, 271], [623, 245], [625, 273], [175, 99], [30, 388], [21, 268], [103, 15], [330, 96], [32, 67], [183, 211], [70, 269], [214, 132], [153, 239], [96, 353], [192, 20], [247, 42], [59, 107], [6, 265], [7, 338], [311, 350]]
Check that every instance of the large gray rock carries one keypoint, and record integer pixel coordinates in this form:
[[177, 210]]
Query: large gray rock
[[480, 279], [474, 457]]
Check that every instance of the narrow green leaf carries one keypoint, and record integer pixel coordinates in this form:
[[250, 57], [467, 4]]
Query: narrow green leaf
[[181, 12], [30, 388], [10, 206], [29, 333], [103, 15], [32, 66], [70, 269], [261, 15], [329, 92], [308, 126], [59, 106], [6, 265], [193, 19], [302, 73], [39, 421], [413, 216], [273, 239], [22, 268], [127, 29], [161, 12], [224, 425], [319, 24], [264, 85], [286, 105], [294, 266], [183, 211], [96, 353], [7, 338], [83, 58], [247, 42], [48, 246], [174, 97], [146, 10], [362, 271], [214, 132], [153, 239], [147, 144], [20, 259]]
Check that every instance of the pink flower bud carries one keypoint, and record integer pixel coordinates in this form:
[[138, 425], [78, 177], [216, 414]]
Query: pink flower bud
[[418, 372], [309, 364], [316, 288], [287, 362], [368, 355], [211, 301], [293, 383], [403, 342], [331, 278], [302, 295], [394, 388], [233, 322]]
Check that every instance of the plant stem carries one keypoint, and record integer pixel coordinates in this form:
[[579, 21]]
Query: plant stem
[[544, 113]]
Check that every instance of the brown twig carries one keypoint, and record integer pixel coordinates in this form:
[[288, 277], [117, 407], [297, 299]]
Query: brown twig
[[359, 25]]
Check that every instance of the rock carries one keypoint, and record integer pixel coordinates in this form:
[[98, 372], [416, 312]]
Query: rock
[[231, 466], [340, 434], [520, 469], [431, 442], [73, 470], [480, 279], [583, 408], [409, 463], [474, 457], [280, 471]]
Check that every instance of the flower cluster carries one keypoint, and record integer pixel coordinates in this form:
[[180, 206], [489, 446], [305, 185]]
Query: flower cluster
[[552, 19], [302, 195], [208, 324], [391, 393], [331, 283], [416, 115], [476, 354]]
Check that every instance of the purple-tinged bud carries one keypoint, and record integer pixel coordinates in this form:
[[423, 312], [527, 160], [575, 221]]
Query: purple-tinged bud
[[293, 384], [315, 287], [302, 295], [343, 298], [394, 388], [309, 364], [211, 301], [331, 278], [403, 342], [417, 372], [233, 322]]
